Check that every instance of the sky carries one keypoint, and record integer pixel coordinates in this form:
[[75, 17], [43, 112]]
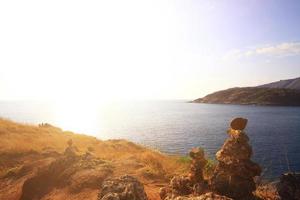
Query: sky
[[114, 50]]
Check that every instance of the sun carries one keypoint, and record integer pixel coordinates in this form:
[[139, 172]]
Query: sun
[[79, 116]]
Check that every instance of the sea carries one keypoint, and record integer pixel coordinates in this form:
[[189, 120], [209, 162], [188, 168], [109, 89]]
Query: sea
[[174, 127]]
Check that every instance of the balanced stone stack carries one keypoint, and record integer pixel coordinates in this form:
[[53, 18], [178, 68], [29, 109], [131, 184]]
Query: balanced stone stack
[[233, 176], [70, 151], [197, 166], [196, 171], [191, 185]]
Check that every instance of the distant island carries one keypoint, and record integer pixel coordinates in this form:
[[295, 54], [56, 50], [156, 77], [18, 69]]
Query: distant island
[[280, 93]]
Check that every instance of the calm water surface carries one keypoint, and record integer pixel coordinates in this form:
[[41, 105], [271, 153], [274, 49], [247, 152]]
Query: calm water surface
[[175, 126]]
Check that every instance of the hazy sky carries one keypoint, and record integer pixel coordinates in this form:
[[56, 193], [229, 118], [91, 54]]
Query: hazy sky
[[59, 49]]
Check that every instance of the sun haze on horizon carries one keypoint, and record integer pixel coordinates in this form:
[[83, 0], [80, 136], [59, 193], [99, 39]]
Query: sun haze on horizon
[[125, 50]]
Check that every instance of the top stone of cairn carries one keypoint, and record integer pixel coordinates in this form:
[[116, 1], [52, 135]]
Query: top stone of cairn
[[238, 123]]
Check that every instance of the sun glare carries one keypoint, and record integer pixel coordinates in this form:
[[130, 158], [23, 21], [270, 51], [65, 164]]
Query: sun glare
[[81, 117]]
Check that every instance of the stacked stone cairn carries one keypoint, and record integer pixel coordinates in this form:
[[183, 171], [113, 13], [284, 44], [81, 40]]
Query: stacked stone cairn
[[70, 151], [196, 171], [235, 172], [191, 185]]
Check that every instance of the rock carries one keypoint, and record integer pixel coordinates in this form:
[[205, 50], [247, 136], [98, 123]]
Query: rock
[[233, 176], [193, 184], [289, 186], [70, 142], [267, 191], [71, 150], [179, 186], [235, 148], [197, 166], [238, 123], [207, 196], [123, 188]]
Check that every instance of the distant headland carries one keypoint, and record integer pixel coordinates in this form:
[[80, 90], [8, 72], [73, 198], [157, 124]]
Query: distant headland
[[280, 93]]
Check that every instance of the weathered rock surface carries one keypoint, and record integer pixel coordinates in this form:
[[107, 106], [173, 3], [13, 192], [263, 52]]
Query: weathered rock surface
[[233, 176], [267, 191], [238, 123], [207, 196], [179, 186], [289, 186], [123, 188]]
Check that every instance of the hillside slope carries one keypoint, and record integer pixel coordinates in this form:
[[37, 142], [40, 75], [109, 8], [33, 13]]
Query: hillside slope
[[286, 84], [253, 95]]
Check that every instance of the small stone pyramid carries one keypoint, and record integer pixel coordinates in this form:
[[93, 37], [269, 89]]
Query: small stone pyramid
[[197, 165], [233, 176], [191, 185]]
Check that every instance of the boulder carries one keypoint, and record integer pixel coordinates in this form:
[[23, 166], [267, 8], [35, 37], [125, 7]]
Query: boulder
[[123, 188], [238, 123], [179, 186]]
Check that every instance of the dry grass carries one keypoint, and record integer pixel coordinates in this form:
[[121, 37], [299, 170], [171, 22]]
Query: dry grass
[[20, 138], [151, 167]]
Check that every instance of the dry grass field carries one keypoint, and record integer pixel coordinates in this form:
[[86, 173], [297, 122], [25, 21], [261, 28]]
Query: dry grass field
[[27, 151]]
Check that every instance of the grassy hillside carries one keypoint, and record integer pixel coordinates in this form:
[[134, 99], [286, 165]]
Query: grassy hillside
[[253, 95], [35, 153]]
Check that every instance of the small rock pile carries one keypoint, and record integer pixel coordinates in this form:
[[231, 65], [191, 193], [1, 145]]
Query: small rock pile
[[233, 176], [179, 186], [193, 184], [123, 188], [70, 151], [196, 171], [197, 166]]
